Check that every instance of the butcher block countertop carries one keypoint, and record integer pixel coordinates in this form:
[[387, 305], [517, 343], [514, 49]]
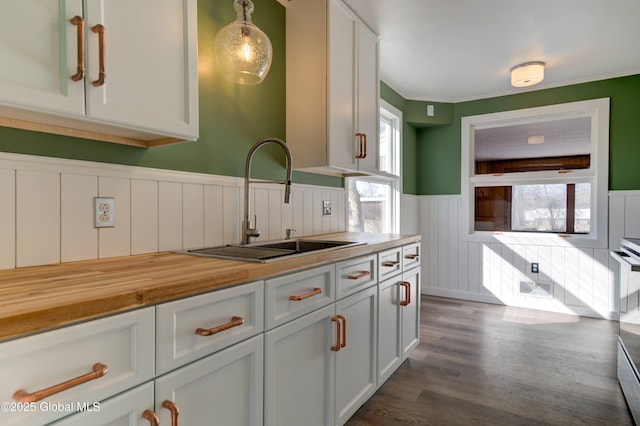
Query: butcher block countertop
[[36, 298]]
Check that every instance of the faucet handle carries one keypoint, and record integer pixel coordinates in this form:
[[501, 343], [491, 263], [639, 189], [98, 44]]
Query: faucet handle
[[289, 231]]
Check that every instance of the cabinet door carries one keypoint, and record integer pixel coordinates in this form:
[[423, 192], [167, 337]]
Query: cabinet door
[[389, 326], [123, 410], [368, 95], [225, 388], [343, 25], [38, 52], [410, 311], [299, 368], [356, 361], [150, 64]]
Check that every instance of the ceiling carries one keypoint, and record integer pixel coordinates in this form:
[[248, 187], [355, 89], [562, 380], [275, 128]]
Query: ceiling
[[457, 50]]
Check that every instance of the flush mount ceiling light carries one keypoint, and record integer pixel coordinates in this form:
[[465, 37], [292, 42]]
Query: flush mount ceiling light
[[243, 50], [535, 140], [527, 74]]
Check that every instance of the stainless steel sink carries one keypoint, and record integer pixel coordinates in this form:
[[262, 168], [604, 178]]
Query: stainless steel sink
[[270, 251]]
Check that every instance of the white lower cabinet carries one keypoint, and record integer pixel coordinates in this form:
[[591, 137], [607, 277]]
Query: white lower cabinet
[[322, 366], [355, 379], [225, 388], [320, 358], [299, 371], [398, 321]]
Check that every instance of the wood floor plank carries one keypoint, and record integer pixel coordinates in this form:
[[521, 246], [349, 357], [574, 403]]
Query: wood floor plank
[[483, 364]]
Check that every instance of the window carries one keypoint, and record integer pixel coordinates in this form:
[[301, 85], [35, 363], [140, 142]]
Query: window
[[537, 173], [373, 201]]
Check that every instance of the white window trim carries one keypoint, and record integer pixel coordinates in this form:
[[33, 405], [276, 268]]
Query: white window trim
[[394, 180], [597, 174]]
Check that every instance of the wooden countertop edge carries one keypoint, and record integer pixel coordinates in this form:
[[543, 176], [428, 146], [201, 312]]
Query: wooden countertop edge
[[206, 274]]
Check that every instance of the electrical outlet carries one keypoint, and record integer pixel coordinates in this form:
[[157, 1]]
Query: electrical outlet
[[105, 212], [326, 208], [534, 268]]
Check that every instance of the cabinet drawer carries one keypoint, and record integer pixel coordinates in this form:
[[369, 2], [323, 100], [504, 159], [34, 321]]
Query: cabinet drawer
[[294, 295], [122, 345], [191, 328], [389, 263], [356, 274], [124, 409], [410, 256]]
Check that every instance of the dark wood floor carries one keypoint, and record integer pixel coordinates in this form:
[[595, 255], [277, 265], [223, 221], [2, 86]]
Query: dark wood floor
[[481, 364]]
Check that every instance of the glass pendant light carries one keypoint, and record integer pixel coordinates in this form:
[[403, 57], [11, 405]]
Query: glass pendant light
[[243, 50]]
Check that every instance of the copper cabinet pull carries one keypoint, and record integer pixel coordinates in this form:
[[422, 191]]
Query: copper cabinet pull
[[152, 417], [79, 22], [337, 347], [173, 408], [412, 256], [235, 321], [343, 342], [390, 263], [358, 275], [102, 74], [362, 148], [407, 293], [364, 137], [314, 292], [98, 371]]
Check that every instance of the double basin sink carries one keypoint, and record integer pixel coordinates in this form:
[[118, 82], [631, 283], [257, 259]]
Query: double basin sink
[[270, 251]]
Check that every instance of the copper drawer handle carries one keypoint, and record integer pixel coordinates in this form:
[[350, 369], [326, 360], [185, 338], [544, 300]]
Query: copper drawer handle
[[315, 291], [98, 371], [79, 22], [337, 347], [173, 408], [152, 417], [407, 293], [102, 74], [364, 136], [359, 275], [235, 321], [390, 263], [412, 256]]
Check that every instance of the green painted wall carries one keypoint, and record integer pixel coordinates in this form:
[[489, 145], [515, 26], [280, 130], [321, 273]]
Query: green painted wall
[[232, 117], [438, 147]]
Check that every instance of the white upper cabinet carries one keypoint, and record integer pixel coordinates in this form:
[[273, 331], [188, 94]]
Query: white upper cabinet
[[54, 52], [332, 89]]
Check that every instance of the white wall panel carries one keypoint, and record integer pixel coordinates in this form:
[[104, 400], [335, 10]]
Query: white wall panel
[[192, 215], [632, 216], [232, 215], [213, 216], [144, 216], [155, 210], [169, 216], [79, 237], [37, 217], [116, 241], [7, 219]]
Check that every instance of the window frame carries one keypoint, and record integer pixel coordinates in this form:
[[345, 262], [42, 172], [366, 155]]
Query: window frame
[[393, 180], [597, 174]]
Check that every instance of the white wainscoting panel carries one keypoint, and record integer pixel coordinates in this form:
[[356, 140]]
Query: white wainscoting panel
[[79, 237], [47, 212], [7, 218], [193, 215], [144, 216], [580, 280], [37, 217], [169, 216]]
